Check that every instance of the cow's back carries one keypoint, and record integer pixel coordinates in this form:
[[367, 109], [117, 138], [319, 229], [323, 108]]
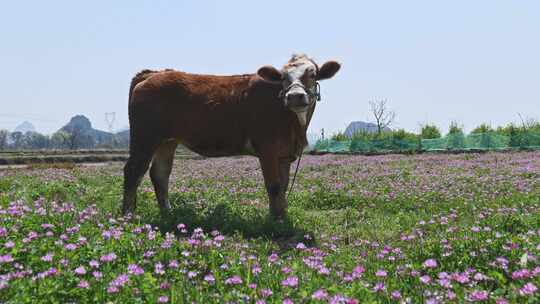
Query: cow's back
[[206, 113]]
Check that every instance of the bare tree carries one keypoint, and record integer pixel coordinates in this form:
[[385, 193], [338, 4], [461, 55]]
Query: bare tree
[[528, 122], [384, 117]]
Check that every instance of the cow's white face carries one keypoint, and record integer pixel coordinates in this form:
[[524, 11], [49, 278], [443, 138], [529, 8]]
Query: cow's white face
[[299, 80]]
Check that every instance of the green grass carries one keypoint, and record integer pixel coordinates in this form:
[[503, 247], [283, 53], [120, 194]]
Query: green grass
[[392, 213]]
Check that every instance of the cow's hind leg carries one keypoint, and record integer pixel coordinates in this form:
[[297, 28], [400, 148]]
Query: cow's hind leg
[[134, 170], [160, 172]]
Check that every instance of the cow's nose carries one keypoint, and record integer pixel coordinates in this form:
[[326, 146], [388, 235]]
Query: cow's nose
[[297, 99]]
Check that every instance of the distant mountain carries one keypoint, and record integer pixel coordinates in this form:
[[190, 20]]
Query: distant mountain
[[360, 126], [85, 137], [25, 127]]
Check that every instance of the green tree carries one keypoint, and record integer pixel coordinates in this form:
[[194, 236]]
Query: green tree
[[430, 132], [483, 128], [60, 140], [3, 139], [456, 138]]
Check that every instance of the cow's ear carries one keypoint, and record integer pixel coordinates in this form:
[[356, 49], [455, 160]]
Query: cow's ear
[[328, 70], [270, 73]]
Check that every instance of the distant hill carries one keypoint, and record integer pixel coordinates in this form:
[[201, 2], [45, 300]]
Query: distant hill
[[25, 127], [83, 136], [360, 126]]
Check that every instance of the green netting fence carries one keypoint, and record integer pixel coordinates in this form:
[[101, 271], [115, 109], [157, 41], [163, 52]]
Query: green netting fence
[[451, 142]]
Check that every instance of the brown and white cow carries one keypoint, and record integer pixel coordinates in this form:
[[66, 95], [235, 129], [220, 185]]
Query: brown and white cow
[[264, 114]]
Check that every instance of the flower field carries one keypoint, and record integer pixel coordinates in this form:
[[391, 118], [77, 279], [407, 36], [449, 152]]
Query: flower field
[[379, 229]]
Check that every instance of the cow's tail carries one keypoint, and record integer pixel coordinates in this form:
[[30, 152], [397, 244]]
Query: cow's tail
[[140, 77]]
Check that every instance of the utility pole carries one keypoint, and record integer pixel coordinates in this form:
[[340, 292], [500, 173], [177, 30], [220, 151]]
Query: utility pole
[[110, 117]]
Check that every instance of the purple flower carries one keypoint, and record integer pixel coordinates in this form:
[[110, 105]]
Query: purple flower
[[430, 263], [479, 295], [358, 271], [93, 264], [501, 301], [80, 270], [319, 294], [108, 257], [47, 258], [273, 258], [266, 292], [158, 268], [173, 264], [528, 289], [70, 247], [521, 274], [379, 286], [234, 280], [135, 269], [98, 275], [288, 301], [6, 258], [300, 246], [164, 286], [112, 289], [83, 284], [380, 273], [425, 279], [119, 281], [396, 295], [291, 281], [163, 299], [209, 278]]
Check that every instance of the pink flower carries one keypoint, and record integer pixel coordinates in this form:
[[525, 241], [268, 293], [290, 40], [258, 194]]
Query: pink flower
[[300, 246], [93, 264], [163, 299], [47, 258], [209, 278], [273, 258], [380, 273], [80, 270], [266, 292], [430, 263], [83, 284], [319, 294], [396, 295], [521, 274], [479, 295], [135, 269], [358, 271], [108, 257], [234, 280], [425, 279], [291, 281], [6, 258], [501, 301], [379, 286], [528, 289]]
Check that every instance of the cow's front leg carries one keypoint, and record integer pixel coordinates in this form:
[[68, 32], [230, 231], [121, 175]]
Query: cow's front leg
[[276, 180]]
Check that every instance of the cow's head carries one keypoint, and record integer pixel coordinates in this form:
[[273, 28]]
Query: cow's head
[[299, 79]]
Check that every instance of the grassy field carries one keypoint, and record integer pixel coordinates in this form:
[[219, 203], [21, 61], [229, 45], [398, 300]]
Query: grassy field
[[379, 229]]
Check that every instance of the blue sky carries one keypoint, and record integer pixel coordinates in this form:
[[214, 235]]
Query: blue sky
[[468, 61]]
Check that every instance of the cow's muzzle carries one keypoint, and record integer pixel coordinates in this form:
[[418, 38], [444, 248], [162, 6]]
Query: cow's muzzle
[[298, 96]]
